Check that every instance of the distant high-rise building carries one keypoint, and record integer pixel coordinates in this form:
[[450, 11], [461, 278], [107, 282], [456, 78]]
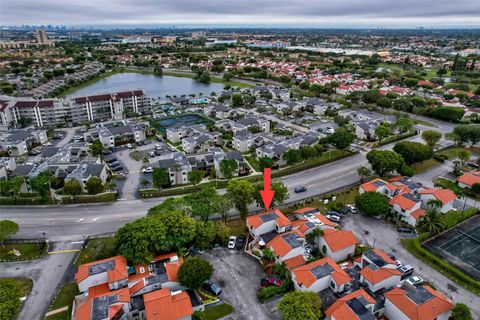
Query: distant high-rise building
[[42, 37]]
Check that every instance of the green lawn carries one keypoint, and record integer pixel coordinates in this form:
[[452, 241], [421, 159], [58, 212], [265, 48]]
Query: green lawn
[[27, 250], [252, 161], [425, 165], [96, 249], [451, 153], [392, 67], [218, 311], [343, 198], [23, 285], [424, 123], [237, 226], [65, 297]]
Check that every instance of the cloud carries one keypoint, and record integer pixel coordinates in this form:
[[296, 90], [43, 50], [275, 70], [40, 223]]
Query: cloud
[[406, 13]]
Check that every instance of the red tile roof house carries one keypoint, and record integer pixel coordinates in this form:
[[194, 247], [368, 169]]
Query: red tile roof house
[[379, 271], [269, 221], [467, 180], [309, 219], [337, 244], [320, 275], [445, 196], [358, 305], [167, 305], [113, 271], [407, 206], [288, 245], [422, 303]]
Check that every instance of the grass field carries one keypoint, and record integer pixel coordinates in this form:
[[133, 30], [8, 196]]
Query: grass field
[[424, 123], [27, 251], [65, 297], [237, 226], [425, 165], [96, 249], [218, 311], [23, 285]]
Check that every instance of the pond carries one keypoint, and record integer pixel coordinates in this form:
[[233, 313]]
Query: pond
[[155, 86]]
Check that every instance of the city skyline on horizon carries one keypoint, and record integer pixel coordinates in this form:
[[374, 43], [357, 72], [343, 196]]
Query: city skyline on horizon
[[343, 14]]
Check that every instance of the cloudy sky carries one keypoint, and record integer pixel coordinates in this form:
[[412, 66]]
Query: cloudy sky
[[321, 13]]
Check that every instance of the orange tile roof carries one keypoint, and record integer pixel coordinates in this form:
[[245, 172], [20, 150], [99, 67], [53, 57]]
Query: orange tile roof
[[340, 310], [84, 310], [137, 287], [164, 256], [280, 246], [417, 214], [162, 305], [172, 269], [378, 274], [369, 186], [138, 273], [444, 195], [99, 290], [303, 274], [384, 256], [403, 202], [470, 178], [303, 210], [339, 239], [255, 221], [120, 269], [429, 310], [295, 262]]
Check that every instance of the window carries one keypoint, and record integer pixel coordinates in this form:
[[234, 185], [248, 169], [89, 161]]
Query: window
[[142, 270]]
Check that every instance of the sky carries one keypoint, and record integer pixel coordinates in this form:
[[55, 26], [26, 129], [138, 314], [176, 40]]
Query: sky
[[287, 13]]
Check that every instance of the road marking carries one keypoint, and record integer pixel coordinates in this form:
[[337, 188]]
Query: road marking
[[56, 311], [76, 242], [64, 251], [95, 219], [80, 220]]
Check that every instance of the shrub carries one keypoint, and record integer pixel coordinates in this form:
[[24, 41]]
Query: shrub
[[373, 204], [406, 171]]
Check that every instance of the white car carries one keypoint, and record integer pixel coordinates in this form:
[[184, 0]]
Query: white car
[[352, 208], [399, 263], [147, 170], [231, 242], [333, 218], [415, 281]]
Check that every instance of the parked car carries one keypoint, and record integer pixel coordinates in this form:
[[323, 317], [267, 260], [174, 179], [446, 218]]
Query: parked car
[[231, 242], [106, 153], [406, 270], [158, 146], [414, 281], [114, 164], [151, 154], [112, 160], [333, 218], [406, 230], [392, 256], [269, 281], [300, 189], [116, 169], [212, 287], [158, 152], [129, 146], [196, 250], [473, 164], [240, 242], [398, 263], [159, 139], [334, 213], [352, 208], [147, 170]]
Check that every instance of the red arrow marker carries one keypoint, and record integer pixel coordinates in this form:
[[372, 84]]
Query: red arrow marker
[[266, 193]]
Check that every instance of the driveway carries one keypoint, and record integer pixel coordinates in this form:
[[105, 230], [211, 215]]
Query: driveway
[[128, 186], [384, 236], [46, 273], [239, 276]]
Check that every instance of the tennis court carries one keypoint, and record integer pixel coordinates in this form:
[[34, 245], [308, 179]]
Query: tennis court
[[460, 246]]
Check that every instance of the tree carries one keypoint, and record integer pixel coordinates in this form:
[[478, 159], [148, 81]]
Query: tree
[[431, 222], [96, 148], [281, 193], [181, 229], [265, 162], [228, 168], [461, 312], [364, 173], [383, 131], [237, 100], [205, 234], [468, 133], [204, 203], [12, 186], [464, 155], [195, 176], [431, 137], [308, 152], [160, 178], [447, 113], [300, 305], [139, 241], [7, 230], [384, 161], [72, 187], [404, 124], [476, 188], [454, 137], [292, 156], [41, 183], [373, 204], [222, 233], [413, 152], [94, 185], [341, 139], [170, 204], [194, 271], [9, 298], [241, 193], [441, 72], [384, 103]]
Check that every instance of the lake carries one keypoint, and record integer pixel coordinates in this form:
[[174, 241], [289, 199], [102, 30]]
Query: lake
[[155, 86]]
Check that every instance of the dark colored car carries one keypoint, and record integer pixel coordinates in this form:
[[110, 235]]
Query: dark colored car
[[114, 164], [119, 168], [240, 242], [270, 281], [300, 189], [212, 287], [406, 230], [112, 160], [334, 213]]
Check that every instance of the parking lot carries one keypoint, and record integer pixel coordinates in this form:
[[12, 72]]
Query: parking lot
[[239, 276]]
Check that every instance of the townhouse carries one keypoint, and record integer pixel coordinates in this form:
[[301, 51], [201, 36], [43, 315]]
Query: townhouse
[[195, 139], [111, 289], [320, 275], [267, 222], [309, 219], [444, 197], [469, 179], [378, 271], [19, 142], [358, 305], [115, 133], [407, 206], [288, 245], [337, 244], [86, 170], [422, 303]]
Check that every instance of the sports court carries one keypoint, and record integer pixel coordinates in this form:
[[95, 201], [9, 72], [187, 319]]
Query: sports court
[[460, 246]]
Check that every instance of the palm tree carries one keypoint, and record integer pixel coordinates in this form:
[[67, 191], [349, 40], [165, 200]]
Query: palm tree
[[432, 222], [268, 254], [434, 204]]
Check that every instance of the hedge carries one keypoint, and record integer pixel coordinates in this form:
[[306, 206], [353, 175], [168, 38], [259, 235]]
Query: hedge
[[397, 137], [415, 248], [7, 201], [104, 197]]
